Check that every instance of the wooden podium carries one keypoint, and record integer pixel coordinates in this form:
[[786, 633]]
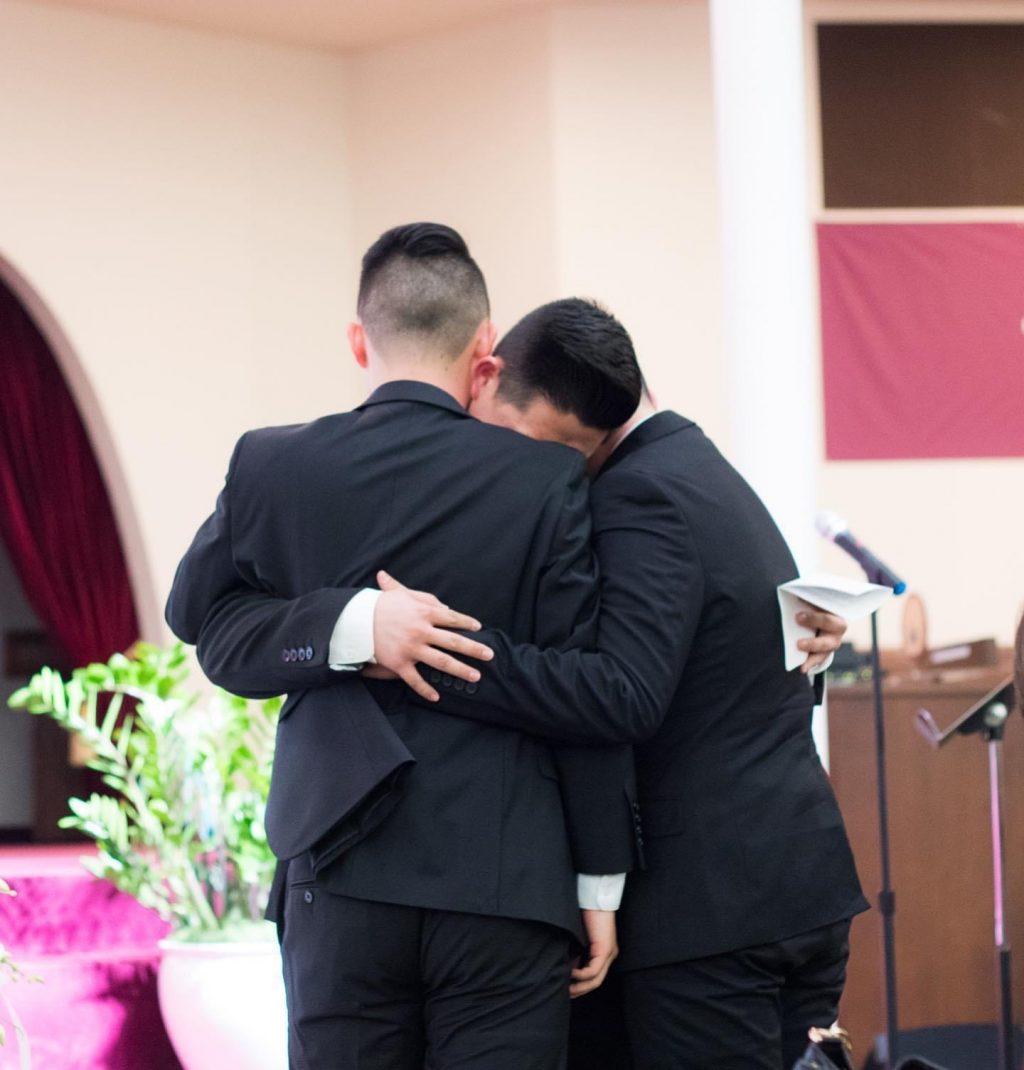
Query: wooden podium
[[941, 852]]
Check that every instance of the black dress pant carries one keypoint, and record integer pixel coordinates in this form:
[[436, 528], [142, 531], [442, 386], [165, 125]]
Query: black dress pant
[[376, 986], [745, 1010], [749, 1008]]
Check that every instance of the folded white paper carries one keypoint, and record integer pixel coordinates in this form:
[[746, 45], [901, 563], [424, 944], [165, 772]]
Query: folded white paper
[[851, 599]]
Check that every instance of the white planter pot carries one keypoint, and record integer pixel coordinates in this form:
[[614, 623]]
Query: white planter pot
[[223, 1004]]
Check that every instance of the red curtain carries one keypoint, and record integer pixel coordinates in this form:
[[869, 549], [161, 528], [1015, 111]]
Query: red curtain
[[56, 519]]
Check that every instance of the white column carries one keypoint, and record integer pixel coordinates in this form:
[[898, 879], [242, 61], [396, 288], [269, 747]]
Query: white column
[[758, 61]]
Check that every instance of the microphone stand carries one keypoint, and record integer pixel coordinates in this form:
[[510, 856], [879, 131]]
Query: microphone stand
[[886, 897], [987, 718], [834, 528], [995, 725]]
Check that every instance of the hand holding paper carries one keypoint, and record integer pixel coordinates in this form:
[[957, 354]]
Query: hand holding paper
[[851, 599]]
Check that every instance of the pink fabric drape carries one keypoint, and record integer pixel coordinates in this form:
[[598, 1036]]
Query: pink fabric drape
[[56, 520], [921, 329]]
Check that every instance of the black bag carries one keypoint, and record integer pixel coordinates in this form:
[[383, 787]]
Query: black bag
[[828, 1050]]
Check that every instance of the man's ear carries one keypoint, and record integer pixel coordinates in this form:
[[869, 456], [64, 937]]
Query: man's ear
[[357, 343], [485, 376], [486, 336]]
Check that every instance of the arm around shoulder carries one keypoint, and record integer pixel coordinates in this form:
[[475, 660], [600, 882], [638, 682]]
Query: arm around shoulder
[[651, 595]]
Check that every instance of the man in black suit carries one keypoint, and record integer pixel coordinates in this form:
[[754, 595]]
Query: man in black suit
[[428, 900], [735, 935]]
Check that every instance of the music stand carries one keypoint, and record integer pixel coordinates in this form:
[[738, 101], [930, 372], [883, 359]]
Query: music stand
[[987, 718]]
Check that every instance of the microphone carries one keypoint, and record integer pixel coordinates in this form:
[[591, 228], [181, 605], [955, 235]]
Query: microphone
[[996, 714], [834, 528]]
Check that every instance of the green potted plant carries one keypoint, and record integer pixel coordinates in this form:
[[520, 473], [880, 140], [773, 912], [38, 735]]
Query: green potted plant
[[181, 830]]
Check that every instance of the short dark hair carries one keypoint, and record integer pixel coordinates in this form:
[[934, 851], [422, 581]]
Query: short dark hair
[[578, 356], [418, 280]]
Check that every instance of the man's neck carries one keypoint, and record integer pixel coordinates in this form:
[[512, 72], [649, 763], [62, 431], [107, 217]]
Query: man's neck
[[449, 377], [645, 409]]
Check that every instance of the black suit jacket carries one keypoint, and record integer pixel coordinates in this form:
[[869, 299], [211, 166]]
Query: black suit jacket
[[744, 841], [493, 523]]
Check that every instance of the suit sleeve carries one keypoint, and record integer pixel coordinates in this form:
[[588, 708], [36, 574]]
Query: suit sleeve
[[248, 643], [598, 783], [651, 596]]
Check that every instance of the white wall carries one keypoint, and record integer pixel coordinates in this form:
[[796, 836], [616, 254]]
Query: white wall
[[180, 202], [951, 528], [574, 150], [636, 204], [456, 127]]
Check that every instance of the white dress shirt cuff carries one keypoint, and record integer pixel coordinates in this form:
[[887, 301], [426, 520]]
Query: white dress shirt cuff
[[603, 892], [827, 665], [351, 644]]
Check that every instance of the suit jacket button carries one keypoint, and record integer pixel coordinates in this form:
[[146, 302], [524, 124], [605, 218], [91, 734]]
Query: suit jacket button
[[435, 676], [289, 654], [471, 689], [309, 653], [301, 653], [459, 684], [446, 680], [284, 654], [308, 896]]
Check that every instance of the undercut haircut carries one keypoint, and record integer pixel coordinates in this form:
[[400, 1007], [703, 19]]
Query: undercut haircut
[[576, 355], [419, 284]]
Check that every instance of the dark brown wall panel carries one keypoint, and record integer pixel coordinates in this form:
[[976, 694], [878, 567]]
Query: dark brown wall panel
[[922, 115]]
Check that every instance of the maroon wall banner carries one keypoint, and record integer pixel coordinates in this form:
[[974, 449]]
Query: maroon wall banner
[[923, 339]]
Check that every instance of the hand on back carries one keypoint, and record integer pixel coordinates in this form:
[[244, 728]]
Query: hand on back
[[412, 629]]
